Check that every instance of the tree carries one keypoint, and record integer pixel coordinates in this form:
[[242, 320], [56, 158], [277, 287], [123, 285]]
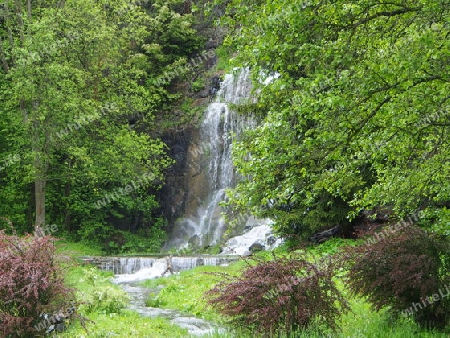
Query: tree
[[74, 92], [357, 116]]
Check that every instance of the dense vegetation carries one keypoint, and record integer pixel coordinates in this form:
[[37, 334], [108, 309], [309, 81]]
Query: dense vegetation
[[356, 115], [186, 292], [352, 103], [81, 85], [407, 273], [280, 296]]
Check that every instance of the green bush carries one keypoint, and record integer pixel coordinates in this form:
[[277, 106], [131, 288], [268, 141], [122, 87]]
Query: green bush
[[101, 298]]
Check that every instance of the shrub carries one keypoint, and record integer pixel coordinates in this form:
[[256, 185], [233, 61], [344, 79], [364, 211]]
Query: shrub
[[401, 270], [279, 296], [30, 283], [102, 297]]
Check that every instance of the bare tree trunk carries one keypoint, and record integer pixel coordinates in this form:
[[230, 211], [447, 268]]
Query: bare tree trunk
[[40, 167], [20, 20], [39, 193], [38, 148], [3, 58], [29, 9]]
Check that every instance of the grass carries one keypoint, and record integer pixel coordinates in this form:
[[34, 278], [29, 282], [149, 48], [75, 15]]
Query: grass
[[103, 303], [76, 249], [185, 292], [125, 324]]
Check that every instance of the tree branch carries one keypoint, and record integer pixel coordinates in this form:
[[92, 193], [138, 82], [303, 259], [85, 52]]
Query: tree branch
[[385, 14]]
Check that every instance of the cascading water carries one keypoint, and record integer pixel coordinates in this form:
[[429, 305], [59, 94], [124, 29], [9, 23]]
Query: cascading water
[[205, 225], [129, 271], [134, 269]]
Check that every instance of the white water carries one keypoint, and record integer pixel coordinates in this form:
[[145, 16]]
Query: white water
[[135, 269], [217, 130], [132, 270], [207, 225], [260, 232]]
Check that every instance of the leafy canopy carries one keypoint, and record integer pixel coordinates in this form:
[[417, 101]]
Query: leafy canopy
[[357, 116]]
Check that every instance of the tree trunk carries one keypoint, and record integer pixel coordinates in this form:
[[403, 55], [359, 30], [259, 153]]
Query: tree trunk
[[39, 193]]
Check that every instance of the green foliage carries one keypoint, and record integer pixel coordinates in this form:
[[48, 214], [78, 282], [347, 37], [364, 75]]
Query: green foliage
[[357, 117], [330, 247], [188, 287], [224, 55], [76, 249], [437, 220], [103, 305], [149, 240], [79, 109], [198, 85], [99, 295]]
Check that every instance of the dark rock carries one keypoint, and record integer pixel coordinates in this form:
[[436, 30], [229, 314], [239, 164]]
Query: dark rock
[[271, 240], [211, 43], [248, 227], [215, 83], [255, 247], [325, 235], [194, 241]]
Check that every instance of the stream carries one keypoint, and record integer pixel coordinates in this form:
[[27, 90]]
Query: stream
[[138, 295], [129, 271]]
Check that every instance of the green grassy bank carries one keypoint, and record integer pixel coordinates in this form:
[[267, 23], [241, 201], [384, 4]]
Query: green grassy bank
[[104, 303]]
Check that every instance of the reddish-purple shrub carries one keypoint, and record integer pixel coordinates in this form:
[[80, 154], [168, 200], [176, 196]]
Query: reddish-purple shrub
[[401, 270], [30, 284], [279, 296]]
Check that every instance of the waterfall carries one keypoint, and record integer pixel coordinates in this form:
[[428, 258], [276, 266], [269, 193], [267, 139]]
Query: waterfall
[[204, 224], [133, 269]]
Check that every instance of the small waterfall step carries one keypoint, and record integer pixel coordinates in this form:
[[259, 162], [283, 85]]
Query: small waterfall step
[[133, 269], [129, 271]]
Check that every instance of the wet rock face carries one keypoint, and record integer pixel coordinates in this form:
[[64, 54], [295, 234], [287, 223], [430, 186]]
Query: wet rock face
[[174, 194]]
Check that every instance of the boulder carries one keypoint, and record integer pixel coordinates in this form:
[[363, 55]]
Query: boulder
[[271, 240], [325, 235], [255, 247]]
